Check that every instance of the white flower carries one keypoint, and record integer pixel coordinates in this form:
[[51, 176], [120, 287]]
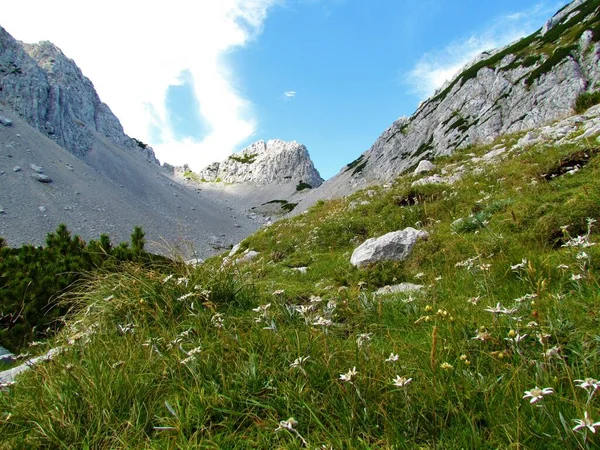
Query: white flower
[[525, 298], [499, 309], [262, 308], [315, 299], [217, 320], [287, 424], [349, 376], [363, 339], [299, 362], [124, 329], [551, 352], [474, 300], [562, 266], [516, 338], [576, 277], [586, 422], [322, 322], [278, 292], [194, 351], [166, 279], [392, 358], [520, 265], [588, 383], [186, 296], [183, 280], [537, 394], [187, 360], [401, 381]]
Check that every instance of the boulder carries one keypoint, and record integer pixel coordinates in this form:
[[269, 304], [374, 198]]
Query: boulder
[[248, 256], [424, 166], [9, 376], [5, 121], [36, 169], [395, 246]]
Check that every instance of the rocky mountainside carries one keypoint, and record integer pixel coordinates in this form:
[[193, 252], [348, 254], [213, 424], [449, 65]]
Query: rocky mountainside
[[272, 162], [47, 89], [527, 84]]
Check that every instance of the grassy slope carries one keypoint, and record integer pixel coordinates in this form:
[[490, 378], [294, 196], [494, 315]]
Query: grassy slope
[[131, 380]]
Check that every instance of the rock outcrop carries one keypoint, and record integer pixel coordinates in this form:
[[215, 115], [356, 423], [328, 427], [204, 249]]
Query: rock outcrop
[[522, 86], [272, 162], [47, 89]]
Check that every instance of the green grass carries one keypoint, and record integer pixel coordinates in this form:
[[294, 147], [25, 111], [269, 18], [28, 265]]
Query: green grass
[[152, 367]]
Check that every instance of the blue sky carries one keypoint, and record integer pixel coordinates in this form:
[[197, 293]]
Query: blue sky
[[201, 79]]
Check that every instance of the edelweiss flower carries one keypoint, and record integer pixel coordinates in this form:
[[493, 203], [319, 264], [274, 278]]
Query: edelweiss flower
[[299, 362], [516, 338], [588, 383], [166, 279], [576, 276], [349, 376], [287, 424], [217, 320], [392, 358], [401, 381], [322, 322], [537, 394], [520, 265], [183, 280], [552, 352], [186, 296], [499, 309], [586, 422], [363, 339]]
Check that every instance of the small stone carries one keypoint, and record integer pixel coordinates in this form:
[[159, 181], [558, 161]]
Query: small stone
[[42, 209], [17, 169], [5, 121], [36, 169], [398, 288], [42, 178], [1, 210]]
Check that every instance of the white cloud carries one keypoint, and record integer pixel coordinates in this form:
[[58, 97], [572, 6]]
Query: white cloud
[[289, 95], [434, 68], [133, 50]]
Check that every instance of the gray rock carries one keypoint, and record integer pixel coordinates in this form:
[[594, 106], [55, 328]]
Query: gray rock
[[395, 246], [5, 121], [489, 156], [36, 169], [9, 376], [301, 270], [398, 289], [6, 356], [1, 209], [42, 178], [424, 166], [17, 169], [42, 209], [248, 256], [235, 249]]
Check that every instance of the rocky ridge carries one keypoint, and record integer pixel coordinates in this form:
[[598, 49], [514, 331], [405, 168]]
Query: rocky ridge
[[272, 162], [47, 89], [525, 85]]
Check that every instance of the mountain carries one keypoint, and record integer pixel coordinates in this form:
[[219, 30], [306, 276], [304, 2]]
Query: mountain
[[101, 179], [531, 82], [266, 177], [272, 162]]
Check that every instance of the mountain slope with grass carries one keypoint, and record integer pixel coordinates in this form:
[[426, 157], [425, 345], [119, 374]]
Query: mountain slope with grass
[[524, 85], [498, 348]]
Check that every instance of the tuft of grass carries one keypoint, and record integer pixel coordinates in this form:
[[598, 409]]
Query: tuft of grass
[[586, 100]]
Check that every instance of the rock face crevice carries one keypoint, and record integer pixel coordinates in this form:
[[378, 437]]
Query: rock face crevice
[[272, 162], [524, 85], [47, 89]]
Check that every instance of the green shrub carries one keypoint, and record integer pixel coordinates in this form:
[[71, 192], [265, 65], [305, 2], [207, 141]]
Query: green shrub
[[586, 100]]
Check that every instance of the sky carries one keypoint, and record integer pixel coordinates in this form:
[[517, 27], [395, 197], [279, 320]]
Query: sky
[[201, 79]]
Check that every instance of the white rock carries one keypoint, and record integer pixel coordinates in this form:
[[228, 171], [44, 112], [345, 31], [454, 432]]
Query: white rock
[[247, 257], [424, 166], [9, 376], [395, 246], [398, 288]]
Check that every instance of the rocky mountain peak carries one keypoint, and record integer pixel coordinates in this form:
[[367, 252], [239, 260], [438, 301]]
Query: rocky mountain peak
[[271, 162]]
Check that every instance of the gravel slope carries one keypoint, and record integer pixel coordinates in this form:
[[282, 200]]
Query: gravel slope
[[111, 190]]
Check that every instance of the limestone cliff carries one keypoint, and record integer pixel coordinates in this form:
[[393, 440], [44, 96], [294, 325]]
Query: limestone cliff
[[272, 162], [47, 89]]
